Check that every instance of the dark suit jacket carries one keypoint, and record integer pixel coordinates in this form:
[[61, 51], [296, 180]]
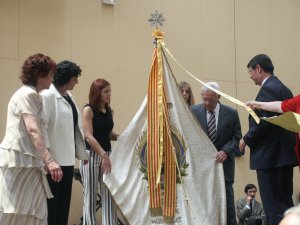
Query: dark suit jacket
[[228, 134], [271, 146]]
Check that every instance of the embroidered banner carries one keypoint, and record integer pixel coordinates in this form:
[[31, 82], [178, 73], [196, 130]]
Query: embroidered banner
[[199, 190]]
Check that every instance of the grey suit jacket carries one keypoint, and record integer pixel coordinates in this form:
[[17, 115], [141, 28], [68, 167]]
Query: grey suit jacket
[[243, 213], [228, 134]]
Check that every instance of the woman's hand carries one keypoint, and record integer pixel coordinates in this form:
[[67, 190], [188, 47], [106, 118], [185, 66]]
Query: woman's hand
[[253, 105], [106, 164], [114, 136], [54, 169], [85, 162]]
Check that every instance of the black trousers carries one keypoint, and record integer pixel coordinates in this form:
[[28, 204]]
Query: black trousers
[[276, 190], [229, 169], [231, 215], [59, 206]]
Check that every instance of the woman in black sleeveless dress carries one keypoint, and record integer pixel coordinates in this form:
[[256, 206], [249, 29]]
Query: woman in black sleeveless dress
[[98, 131]]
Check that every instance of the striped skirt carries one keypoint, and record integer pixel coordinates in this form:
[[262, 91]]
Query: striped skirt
[[22, 196]]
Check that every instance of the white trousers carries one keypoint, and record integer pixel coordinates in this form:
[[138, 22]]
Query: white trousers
[[92, 180]]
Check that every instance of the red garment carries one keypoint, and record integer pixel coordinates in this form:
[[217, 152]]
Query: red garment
[[293, 105]]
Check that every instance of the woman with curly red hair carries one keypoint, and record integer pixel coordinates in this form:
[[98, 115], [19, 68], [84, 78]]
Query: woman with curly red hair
[[24, 156]]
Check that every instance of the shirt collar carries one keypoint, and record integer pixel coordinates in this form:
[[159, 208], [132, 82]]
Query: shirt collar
[[216, 109], [262, 83]]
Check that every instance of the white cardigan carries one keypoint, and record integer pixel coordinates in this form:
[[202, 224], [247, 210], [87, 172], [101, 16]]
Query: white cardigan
[[58, 119]]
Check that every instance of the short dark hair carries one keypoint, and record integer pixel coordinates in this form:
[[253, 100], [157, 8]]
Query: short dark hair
[[264, 61], [249, 186], [65, 70], [36, 66]]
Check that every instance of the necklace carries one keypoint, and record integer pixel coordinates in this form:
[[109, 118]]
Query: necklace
[[102, 108]]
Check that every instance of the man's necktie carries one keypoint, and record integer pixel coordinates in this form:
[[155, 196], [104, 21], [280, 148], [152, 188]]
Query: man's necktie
[[212, 126]]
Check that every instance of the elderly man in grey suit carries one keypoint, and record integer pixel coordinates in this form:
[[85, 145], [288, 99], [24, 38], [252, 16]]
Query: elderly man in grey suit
[[222, 125]]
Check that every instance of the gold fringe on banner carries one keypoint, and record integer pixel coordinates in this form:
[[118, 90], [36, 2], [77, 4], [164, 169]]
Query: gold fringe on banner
[[169, 171], [160, 83]]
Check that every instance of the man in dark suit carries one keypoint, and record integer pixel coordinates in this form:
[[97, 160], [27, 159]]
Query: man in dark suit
[[272, 152], [225, 136]]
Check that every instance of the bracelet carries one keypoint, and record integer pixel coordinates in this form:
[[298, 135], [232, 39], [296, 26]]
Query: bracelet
[[105, 154], [49, 161], [47, 151]]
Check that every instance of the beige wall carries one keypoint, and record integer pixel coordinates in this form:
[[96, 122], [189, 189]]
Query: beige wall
[[213, 39]]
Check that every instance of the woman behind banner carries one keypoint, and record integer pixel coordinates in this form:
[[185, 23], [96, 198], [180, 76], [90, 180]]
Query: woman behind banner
[[292, 105], [186, 92], [98, 131], [23, 152]]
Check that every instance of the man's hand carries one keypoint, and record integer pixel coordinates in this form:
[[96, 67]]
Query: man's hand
[[249, 199], [242, 145], [221, 156]]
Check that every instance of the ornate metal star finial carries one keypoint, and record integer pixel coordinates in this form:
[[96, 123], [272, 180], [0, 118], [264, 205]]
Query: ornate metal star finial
[[156, 19]]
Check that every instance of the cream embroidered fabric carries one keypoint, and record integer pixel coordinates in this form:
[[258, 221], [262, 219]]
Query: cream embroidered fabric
[[201, 196]]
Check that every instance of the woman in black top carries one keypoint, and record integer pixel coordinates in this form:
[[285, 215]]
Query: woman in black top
[[98, 131]]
